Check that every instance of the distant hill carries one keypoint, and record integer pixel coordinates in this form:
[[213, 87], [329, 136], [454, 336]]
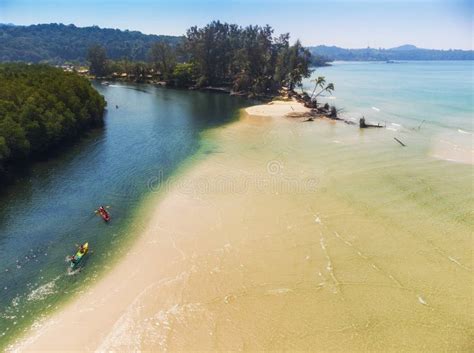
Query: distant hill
[[405, 47], [404, 52], [59, 43]]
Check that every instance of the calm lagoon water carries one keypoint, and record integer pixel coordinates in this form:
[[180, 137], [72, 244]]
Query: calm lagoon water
[[151, 133]]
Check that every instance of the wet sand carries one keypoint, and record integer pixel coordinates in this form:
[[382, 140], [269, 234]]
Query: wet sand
[[289, 236], [457, 146]]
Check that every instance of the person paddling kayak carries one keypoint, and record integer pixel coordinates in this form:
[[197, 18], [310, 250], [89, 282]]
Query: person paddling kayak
[[81, 252], [103, 213]]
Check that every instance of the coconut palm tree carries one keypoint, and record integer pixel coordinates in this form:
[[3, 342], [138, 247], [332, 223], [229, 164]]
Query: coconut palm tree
[[321, 83]]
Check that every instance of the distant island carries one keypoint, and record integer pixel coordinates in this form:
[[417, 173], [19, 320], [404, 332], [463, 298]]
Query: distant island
[[404, 52]]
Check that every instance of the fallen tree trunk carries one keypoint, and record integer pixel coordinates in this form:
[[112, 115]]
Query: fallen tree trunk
[[400, 142], [364, 125]]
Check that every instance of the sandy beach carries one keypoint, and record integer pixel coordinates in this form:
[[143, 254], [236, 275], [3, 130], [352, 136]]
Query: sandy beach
[[287, 236]]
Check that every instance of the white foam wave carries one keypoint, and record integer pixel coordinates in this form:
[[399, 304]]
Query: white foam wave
[[16, 301], [43, 291], [376, 109], [464, 132]]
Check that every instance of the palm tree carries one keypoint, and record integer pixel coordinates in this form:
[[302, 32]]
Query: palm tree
[[321, 83]]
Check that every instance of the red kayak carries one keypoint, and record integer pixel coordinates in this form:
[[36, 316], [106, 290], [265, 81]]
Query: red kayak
[[104, 214]]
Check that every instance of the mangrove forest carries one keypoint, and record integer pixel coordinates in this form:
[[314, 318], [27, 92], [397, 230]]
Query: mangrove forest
[[41, 107]]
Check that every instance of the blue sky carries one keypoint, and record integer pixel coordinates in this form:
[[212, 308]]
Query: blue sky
[[440, 24]]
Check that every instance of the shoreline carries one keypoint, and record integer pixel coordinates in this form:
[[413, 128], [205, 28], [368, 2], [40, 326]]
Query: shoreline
[[233, 256], [42, 334]]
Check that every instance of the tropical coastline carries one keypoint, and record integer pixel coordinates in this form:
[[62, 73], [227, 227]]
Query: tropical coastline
[[272, 199], [115, 162], [193, 176]]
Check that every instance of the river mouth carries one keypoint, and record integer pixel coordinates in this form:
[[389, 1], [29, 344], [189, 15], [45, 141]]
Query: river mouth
[[149, 133], [292, 236], [262, 233]]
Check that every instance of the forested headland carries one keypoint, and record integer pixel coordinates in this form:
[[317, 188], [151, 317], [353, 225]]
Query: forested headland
[[41, 107], [248, 60]]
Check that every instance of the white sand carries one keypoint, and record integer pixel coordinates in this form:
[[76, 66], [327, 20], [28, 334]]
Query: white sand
[[285, 240], [277, 109]]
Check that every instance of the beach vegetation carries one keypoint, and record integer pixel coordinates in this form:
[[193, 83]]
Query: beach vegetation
[[183, 74], [247, 59]]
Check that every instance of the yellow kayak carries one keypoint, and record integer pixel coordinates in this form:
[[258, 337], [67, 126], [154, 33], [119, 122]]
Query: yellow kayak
[[79, 255]]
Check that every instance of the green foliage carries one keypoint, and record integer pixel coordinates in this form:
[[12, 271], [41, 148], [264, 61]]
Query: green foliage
[[163, 58], [58, 43], [120, 66], [320, 83], [97, 57], [40, 107], [183, 74], [247, 59], [319, 60]]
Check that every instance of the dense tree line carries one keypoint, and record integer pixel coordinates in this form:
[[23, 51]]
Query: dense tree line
[[245, 59], [41, 107], [58, 43]]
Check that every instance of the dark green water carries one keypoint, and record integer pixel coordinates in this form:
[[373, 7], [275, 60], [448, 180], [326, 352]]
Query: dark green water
[[46, 213]]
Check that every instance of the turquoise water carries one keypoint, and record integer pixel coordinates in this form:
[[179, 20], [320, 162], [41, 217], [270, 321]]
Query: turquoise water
[[151, 134], [45, 213], [441, 93]]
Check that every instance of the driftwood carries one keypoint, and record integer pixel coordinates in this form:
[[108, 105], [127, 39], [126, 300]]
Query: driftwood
[[400, 142], [364, 125], [324, 111]]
